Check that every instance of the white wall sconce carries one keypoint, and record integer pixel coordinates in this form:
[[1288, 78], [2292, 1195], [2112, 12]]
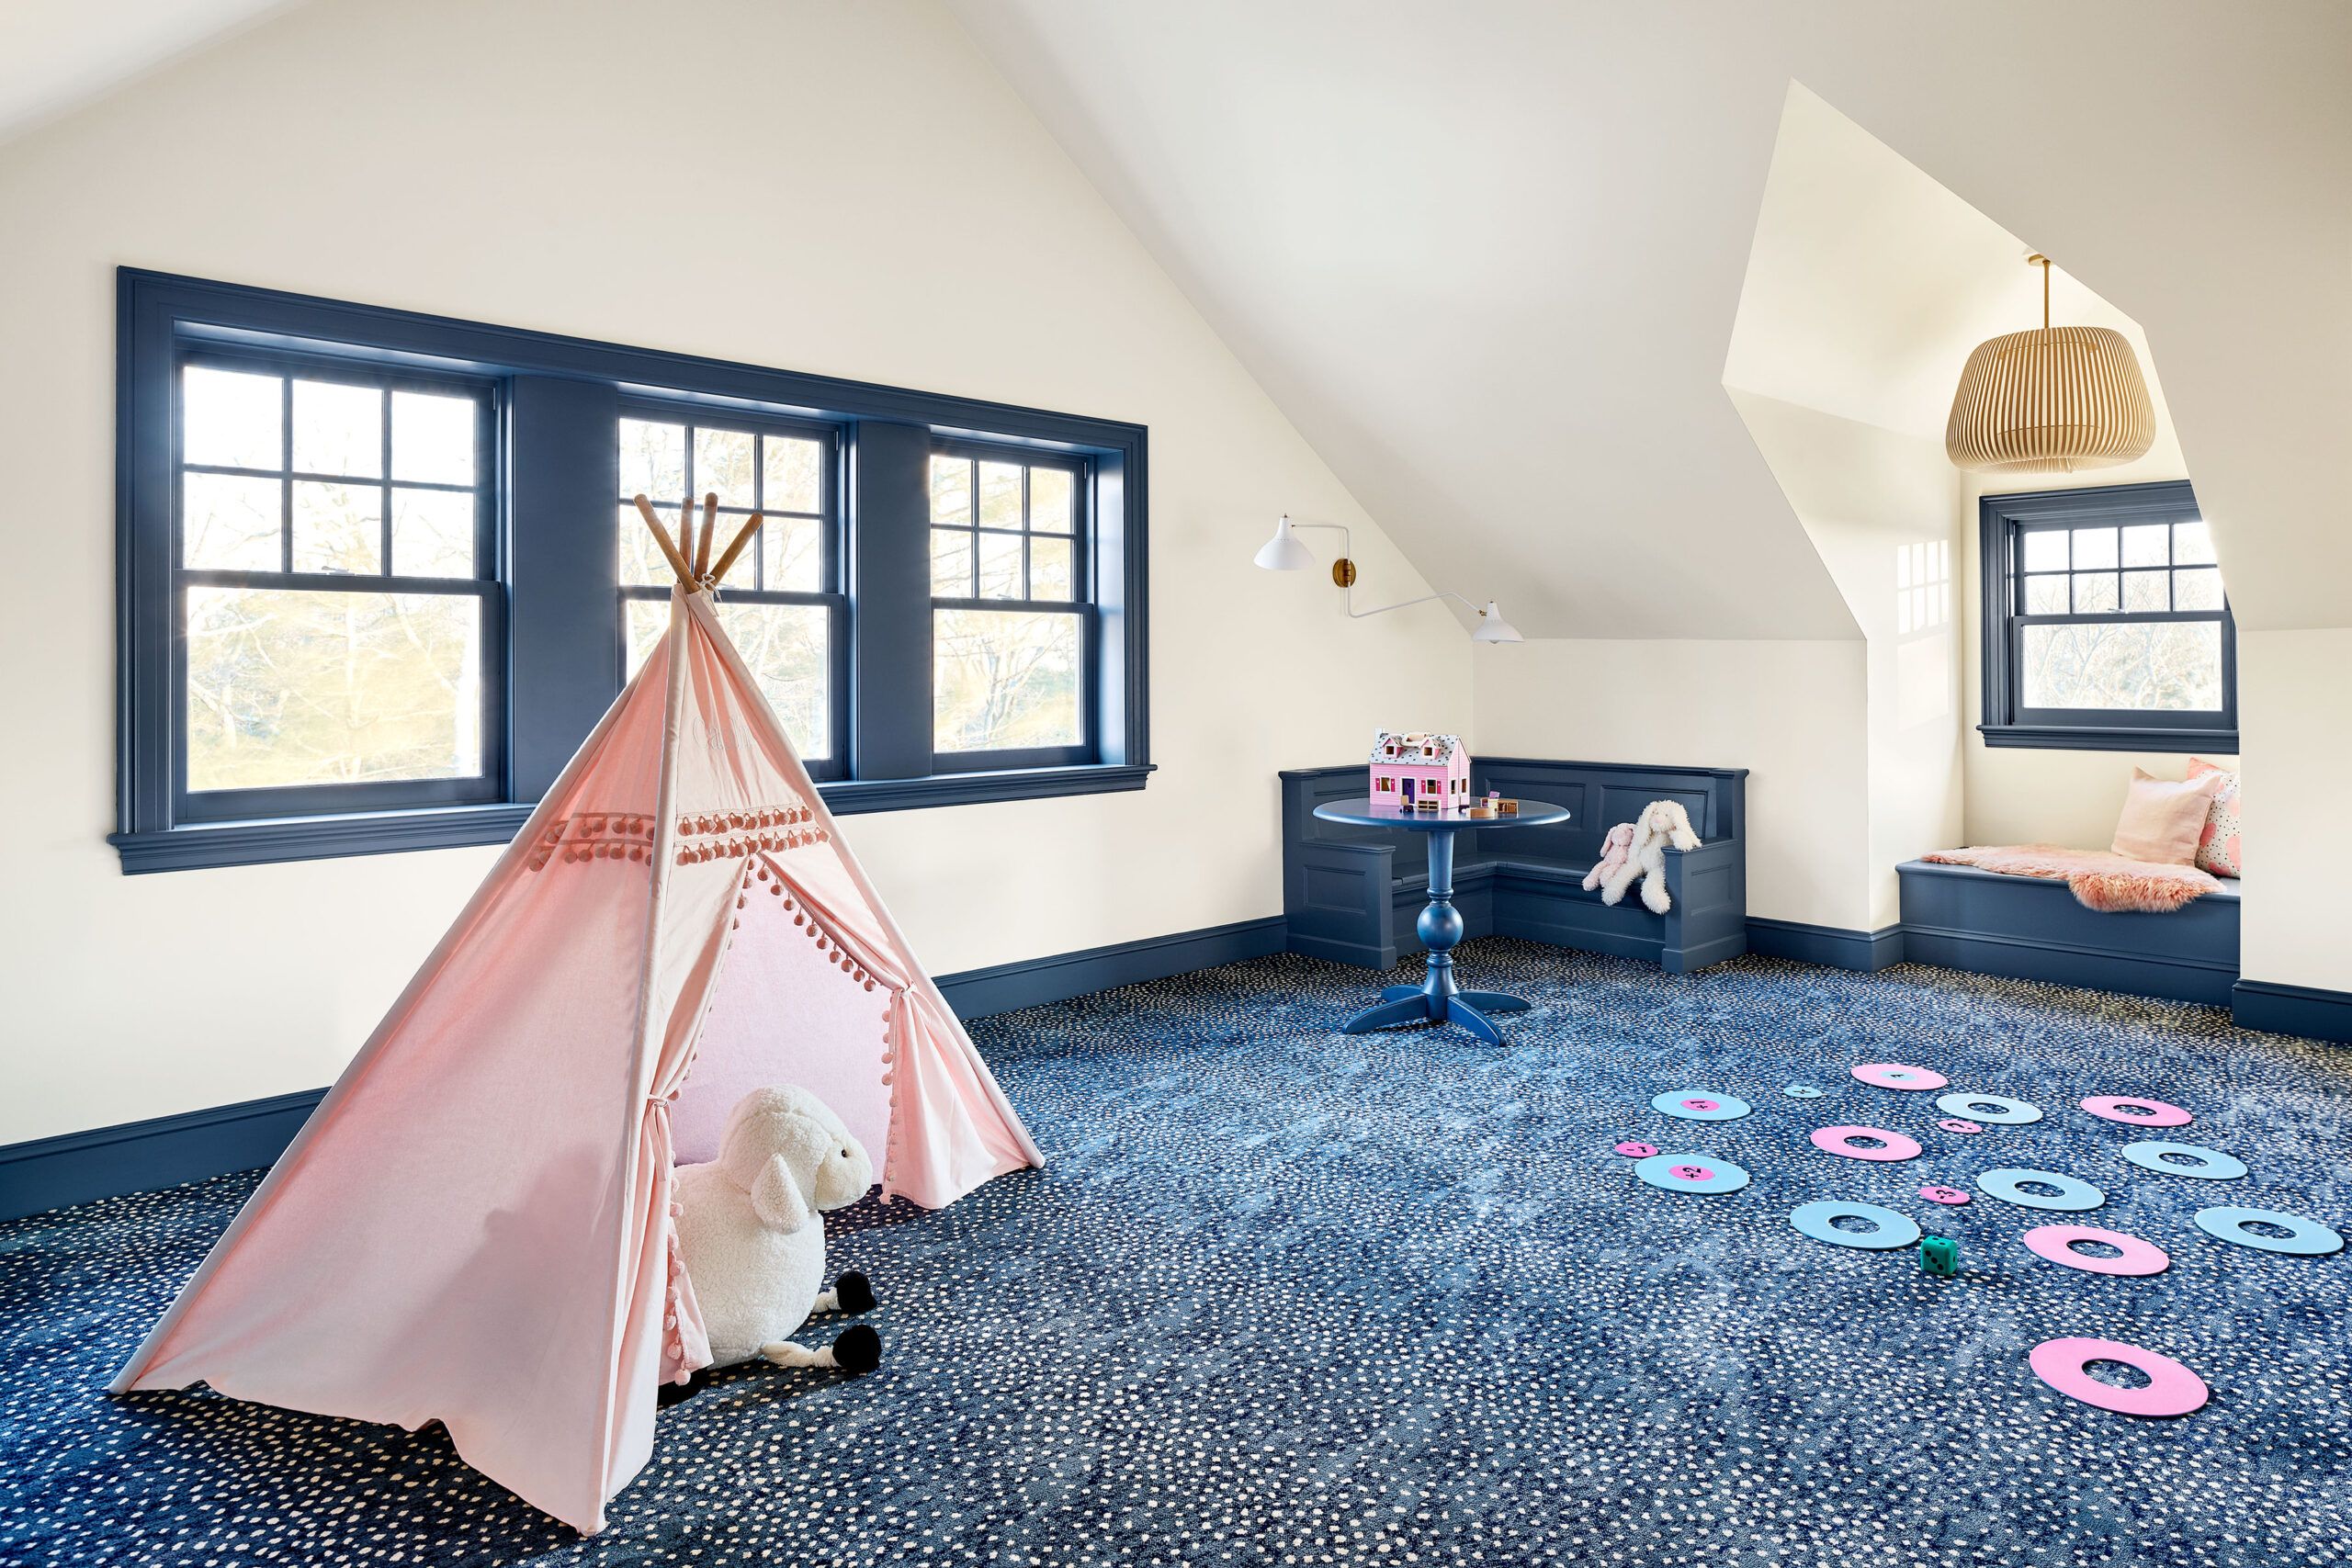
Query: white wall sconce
[[1286, 552]]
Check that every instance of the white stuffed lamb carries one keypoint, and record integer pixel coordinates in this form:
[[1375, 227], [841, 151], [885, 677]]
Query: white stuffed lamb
[[1662, 822], [752, 1236]]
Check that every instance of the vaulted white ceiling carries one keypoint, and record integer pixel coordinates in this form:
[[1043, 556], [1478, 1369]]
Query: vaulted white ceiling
[[1869, 283], [1489, 258], [56, 54]]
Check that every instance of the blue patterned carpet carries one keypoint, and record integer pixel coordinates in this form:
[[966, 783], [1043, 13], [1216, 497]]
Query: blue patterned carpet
[[1285, 1296]]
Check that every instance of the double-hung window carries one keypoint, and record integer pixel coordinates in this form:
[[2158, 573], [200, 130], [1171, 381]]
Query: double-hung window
[[2106, 625], [379, 573], [338, 607], [1011, 611], [783, 607]]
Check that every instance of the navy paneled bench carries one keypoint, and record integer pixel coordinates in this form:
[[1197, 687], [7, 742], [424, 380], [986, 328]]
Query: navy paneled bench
[[1352, 894], [2030, 927]]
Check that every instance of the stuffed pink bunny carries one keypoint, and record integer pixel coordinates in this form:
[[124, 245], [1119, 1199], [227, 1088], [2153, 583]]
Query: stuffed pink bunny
[[1663, 825], [1615, 851]]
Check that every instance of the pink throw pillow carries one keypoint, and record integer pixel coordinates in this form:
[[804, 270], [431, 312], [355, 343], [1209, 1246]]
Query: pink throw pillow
[[2162, 819], [2216, 847]]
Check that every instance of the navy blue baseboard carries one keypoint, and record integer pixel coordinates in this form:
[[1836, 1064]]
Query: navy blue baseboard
[[2278, 1008], [1837, 947], [140, 1156], [1032, 982]]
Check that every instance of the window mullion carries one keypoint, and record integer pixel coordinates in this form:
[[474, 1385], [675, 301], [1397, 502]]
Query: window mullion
[[564, 635], [890, 534], [286, 476], [384, 434]]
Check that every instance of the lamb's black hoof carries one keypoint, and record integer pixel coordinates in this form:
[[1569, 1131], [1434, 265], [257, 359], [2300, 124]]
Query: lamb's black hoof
[[675, 1392], [858, 1349], [854, 1292]]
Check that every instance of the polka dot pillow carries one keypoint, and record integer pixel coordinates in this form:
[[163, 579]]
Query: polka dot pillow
[[2216, 847]]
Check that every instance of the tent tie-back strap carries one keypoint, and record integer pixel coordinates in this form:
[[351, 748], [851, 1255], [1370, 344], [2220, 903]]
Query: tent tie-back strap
[[895, 1020], [676, 1366]]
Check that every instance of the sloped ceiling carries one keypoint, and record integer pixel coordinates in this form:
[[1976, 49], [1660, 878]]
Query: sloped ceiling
[[56, 54], [1487, 260], [1869, 283], [1487, 257]]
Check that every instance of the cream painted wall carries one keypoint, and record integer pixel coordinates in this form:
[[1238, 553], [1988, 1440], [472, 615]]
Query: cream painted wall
[[843, 189], [1868, 284], [1877, 505], [2225, 231], [1791, 713], [2295, 704]]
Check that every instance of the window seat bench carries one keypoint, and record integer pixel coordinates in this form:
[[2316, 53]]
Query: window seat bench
[[1353, 895], [2030, 928]]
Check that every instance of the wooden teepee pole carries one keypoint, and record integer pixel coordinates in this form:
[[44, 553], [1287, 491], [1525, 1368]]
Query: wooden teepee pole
[[710, 522], [690, 558], [742, 538], [661, 537]]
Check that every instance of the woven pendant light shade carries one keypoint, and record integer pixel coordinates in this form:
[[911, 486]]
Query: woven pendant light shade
[[2050, 402]]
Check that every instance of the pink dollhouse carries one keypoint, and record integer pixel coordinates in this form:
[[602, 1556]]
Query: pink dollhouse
[[1419, 773]]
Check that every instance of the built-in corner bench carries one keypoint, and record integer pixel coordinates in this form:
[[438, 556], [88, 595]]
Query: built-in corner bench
[[2030, 927], [1349, 895]]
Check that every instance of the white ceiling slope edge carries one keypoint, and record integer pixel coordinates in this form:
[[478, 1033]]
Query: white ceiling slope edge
[[1489, 258], [1868, 284], [57, 54]]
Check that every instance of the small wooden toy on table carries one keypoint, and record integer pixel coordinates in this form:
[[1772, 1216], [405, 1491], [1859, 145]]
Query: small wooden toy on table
[[1419, 773]]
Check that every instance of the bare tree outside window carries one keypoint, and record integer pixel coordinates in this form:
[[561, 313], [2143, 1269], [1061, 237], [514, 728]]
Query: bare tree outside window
[[2099, 657], [780, 605], [1009, 620], [333, 628], [2106, 623]]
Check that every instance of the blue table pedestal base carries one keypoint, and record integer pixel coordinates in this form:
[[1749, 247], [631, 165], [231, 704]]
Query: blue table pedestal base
[[1421, 1006], [1438, 999], [1485, 1001]]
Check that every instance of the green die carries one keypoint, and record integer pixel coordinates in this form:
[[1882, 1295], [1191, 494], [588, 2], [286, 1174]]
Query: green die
[[1938, 1254]]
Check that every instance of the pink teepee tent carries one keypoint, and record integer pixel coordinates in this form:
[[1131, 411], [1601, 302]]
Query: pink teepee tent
[[474, 1225]]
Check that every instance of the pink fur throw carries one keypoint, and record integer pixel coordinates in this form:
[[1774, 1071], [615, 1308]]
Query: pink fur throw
[[2102, 881]]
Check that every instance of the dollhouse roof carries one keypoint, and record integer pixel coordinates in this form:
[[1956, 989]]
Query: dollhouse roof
[[1414, 750]]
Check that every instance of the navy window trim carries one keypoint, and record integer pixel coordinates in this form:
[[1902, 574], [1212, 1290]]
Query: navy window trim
[[2003, 521], [1080, 607], [549, 569], [488, 785]]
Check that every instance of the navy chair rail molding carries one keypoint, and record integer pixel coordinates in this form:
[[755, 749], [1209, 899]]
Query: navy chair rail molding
[[1347, 896]]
